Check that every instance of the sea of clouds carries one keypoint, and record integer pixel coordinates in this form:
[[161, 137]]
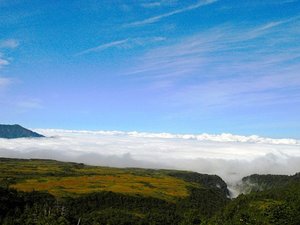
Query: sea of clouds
[[229, 156]]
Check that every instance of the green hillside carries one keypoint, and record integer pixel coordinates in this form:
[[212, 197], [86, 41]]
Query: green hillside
[[51, 192], [273, 199], [257, 182], [47, 191]]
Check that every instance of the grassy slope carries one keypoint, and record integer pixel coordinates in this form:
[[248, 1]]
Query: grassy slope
[[146, 195], [105, 195], [71, 179]]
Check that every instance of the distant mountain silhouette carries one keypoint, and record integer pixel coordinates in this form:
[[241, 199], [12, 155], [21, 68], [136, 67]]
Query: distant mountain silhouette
[[16, 131]]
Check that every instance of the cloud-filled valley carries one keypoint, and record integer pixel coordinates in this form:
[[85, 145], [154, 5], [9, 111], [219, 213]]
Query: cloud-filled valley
[[229, 156]]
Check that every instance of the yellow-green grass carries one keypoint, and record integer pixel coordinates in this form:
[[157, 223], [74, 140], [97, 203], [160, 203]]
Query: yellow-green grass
[[33, 168], [29, 167], [166, 188], [70, 179]]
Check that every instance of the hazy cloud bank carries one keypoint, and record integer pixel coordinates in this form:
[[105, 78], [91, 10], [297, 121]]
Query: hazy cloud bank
[[227, 155]]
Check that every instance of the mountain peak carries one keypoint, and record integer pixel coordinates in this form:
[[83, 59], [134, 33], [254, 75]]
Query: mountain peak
[[16, 131]]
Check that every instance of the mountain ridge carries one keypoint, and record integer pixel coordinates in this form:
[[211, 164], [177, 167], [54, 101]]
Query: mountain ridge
[[17, 131]]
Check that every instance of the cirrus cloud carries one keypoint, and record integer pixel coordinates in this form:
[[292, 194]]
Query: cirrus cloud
[[9, 43]]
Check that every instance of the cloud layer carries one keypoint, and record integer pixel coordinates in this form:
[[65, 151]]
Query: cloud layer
[[229, 156]]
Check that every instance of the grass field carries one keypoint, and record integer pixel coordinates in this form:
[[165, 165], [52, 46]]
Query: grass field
[[71, 179]]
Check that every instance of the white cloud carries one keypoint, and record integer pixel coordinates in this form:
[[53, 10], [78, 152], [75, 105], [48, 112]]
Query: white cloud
[[160, 3], [28, 104], [269, 26], [230, 156], [3, 62], [9, 43], [155, 19], [125, 43], [226, 67], [103, 47], [151, 4], [4, 82], [226, 48]]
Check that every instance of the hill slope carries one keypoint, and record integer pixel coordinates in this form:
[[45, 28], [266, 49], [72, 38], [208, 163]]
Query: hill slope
[[16, 131], [103, 195], [271, 199], [52, 192], [257, 182]]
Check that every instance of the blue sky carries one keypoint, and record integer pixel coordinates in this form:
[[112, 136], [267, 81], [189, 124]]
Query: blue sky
[[158, 66]]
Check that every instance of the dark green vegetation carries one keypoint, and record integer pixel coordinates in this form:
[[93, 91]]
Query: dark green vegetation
[[257, 182], [271, 199], [51, 192], [16, 131]]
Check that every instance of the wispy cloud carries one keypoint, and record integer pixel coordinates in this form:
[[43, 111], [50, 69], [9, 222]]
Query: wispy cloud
[[3, 62], [4, 45], [260, 30], [233, 64], [125, 43], [155, 19], [202, 50], [9, 43], [4, 82], [151, 4], [29, 103], [156, 3], [255, 4], [102, 47], [230, 156]]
